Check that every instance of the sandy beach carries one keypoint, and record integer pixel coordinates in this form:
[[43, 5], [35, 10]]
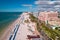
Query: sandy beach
[[24, 29], [9, 29]]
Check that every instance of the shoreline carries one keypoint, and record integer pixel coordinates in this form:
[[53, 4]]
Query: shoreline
[[6, 24], [7, 31], [2, 31]]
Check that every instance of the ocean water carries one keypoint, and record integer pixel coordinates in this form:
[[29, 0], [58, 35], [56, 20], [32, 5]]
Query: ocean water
[[7, 17]]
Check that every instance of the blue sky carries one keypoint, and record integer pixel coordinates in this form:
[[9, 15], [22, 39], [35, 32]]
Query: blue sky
[[28, 5]]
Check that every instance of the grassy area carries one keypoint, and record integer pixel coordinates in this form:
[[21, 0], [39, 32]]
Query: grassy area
[[57, 31], [52, 34], [26, 21], [33, 19]]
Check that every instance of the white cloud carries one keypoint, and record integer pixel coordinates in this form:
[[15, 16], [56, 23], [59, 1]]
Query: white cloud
[[40, 2], [51, 2], [57, 6], [47, 5], [26, 5], [44, 2]]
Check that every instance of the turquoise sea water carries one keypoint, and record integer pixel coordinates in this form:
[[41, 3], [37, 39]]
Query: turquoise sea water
[[7, 17]]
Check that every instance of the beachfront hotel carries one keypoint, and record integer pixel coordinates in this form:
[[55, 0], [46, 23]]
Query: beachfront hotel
[[43, 16], [49, 17]]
